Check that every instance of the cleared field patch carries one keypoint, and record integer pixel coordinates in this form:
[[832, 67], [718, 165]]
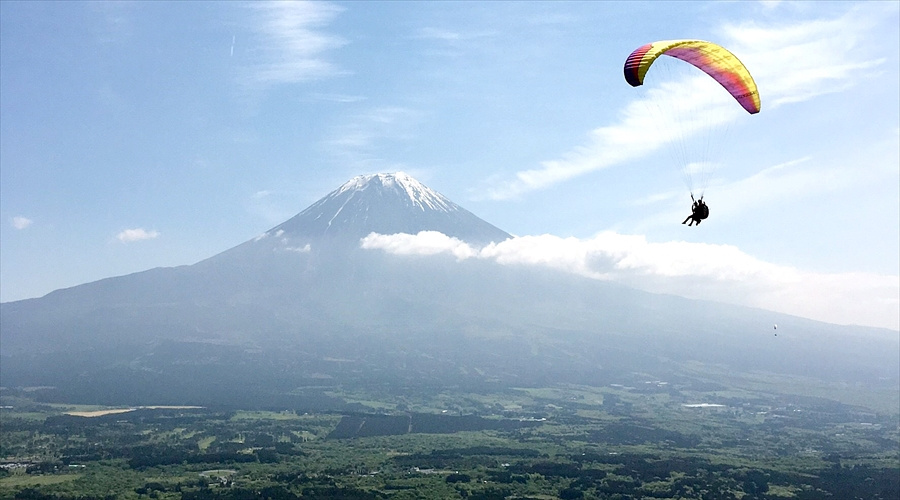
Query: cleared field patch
[[98, 413], [113, 411], [205, 442], [222, 473], [265, 415], [17, 480]]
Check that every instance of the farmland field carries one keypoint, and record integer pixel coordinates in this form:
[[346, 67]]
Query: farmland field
[[641, 438]]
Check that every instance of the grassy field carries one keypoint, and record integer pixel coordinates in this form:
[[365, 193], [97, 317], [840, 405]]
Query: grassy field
[[16, 481]]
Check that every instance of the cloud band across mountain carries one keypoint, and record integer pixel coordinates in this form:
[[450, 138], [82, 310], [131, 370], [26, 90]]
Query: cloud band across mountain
[[721, 273]]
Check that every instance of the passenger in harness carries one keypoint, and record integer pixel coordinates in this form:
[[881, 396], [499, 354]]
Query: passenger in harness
[[699, 211]]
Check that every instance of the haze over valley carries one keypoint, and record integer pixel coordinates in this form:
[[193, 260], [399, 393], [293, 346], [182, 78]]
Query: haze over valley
[[307, 303]]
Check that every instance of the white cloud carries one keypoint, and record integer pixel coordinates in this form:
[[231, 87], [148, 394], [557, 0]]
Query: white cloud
[[424, 243], [20, 222], [294, 42], [721, 273], [138, 234], [304, 249], [790, 63]]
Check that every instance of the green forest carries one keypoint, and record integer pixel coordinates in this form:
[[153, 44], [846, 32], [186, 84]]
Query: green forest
[[641, 440]]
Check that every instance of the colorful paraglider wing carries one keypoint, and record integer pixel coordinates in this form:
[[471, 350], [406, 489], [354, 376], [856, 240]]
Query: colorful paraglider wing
[[712, 59]]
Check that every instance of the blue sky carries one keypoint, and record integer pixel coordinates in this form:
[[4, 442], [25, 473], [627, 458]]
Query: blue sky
[[142, 134]]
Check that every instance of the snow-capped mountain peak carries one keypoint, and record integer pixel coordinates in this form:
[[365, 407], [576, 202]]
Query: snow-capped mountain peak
[[420, 195], [386, 203]]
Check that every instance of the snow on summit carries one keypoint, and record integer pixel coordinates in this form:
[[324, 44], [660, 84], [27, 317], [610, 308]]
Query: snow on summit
[[420, 195], [386, 203]]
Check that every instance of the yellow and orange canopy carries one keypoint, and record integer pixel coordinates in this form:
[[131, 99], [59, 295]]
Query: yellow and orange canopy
[[712, 59]]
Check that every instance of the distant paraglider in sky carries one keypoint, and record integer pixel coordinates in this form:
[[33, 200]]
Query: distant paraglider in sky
[[691, 128], [776, 329]]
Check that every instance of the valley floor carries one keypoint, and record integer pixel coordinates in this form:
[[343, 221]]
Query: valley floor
[[643, 438]]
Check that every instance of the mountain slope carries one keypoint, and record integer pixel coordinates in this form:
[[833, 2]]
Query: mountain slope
[[303, 305]]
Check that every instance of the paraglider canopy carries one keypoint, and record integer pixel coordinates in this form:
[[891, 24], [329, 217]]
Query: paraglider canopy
[[693, 128], [714, 60]]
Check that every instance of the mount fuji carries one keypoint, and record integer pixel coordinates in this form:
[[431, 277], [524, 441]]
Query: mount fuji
[[386, 204], [305, 306]]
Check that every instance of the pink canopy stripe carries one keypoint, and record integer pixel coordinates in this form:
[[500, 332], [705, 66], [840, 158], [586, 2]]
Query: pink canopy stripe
[[712, 59]]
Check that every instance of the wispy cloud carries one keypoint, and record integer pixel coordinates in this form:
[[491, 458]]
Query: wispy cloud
[[791, 63], [800, 62], [452, 43], [117, 21], [452, 36], [432, 33], [770, 4], [272, 206], [696, 270], [341, 98], [20, 222], [294, 41], [358, 141], [137, 234], [794, 180], [645, 125], [787, 180], [365, 129]]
